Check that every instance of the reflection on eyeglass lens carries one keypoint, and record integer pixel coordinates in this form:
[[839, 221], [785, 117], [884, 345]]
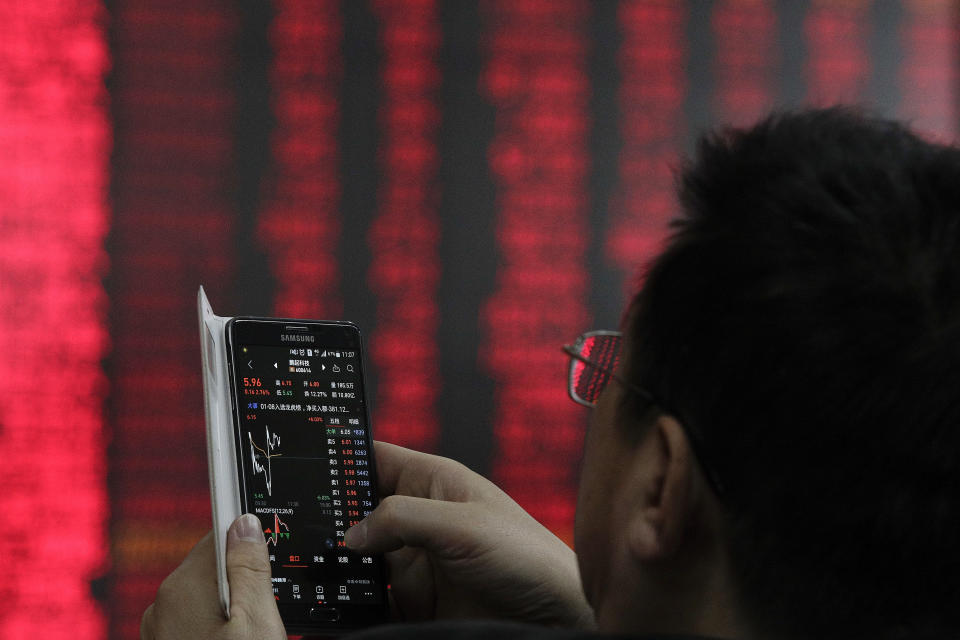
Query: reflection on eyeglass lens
[[590, 378]]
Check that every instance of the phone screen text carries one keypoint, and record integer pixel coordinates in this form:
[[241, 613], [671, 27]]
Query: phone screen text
[[305, 468]]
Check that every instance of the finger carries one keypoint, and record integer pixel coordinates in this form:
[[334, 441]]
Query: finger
[[405, 521], [413, 594], [191, 586], [409, 472], [395, 462], [248, 571]]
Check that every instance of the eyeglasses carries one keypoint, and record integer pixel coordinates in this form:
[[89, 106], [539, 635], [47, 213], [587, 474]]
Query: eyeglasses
[[593, 362]]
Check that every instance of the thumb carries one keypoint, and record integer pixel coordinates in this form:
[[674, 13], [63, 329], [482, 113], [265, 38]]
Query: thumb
[[248, 572]]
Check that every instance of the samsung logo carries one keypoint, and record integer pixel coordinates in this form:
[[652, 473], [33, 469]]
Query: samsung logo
[[292, 337]]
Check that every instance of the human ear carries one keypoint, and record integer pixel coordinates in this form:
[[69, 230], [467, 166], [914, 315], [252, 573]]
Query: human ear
[[661, 475]]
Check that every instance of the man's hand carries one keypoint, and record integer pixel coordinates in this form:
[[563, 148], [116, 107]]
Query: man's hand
[[460, 547], [188, 604]]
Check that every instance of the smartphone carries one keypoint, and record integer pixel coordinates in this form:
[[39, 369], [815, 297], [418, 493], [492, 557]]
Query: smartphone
[[305, 466]]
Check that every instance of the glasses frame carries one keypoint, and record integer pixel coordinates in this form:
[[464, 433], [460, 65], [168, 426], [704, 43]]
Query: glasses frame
[[696, 441]]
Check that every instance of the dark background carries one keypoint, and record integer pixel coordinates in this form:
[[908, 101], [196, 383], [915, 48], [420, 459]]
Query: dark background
[[474, 183]]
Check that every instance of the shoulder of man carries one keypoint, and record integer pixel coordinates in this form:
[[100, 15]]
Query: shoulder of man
[[484, 630]]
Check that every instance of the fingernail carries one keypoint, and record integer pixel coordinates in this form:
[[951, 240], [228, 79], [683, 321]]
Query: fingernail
[[356, 535], [247, 528]]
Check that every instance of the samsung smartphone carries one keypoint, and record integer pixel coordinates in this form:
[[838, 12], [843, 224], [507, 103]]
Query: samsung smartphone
[[305, 466]]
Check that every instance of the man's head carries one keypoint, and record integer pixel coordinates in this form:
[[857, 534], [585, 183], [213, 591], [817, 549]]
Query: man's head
[[803, 326]]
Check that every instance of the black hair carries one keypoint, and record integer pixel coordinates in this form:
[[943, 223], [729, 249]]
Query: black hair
[[805, 321]]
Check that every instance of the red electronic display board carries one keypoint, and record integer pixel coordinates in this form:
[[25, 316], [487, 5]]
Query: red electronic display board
[[54, 157], [405, 233], [539, 162], [928, 76], [299, 226], [651, 96], [173, 229], [746, 60], [838, 65]]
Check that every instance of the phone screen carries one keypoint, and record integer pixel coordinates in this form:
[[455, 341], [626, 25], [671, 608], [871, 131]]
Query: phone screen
[[305, 465]]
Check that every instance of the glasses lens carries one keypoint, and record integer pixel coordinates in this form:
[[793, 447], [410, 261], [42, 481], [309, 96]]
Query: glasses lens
[[588, 379]]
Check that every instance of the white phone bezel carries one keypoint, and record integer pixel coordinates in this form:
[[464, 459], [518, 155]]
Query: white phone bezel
[[221, 450]]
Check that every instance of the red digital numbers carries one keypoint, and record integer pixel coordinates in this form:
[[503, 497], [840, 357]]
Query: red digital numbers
[[404, 237], [746, 59], [55, 138], [928, 77], [652, 62], [539, 87], [838, 66], [300, 224], [173, 222]]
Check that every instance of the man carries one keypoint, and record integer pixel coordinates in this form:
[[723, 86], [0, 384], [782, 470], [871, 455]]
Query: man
[[774, 456]]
